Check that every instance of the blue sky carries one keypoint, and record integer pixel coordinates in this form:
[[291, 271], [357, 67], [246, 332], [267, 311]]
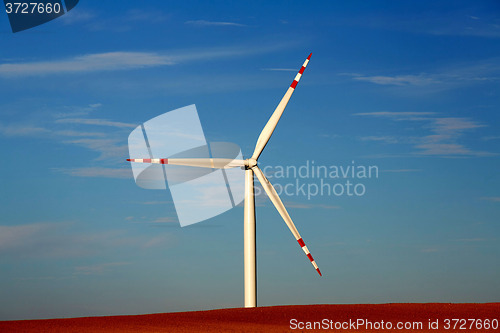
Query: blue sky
[[412, 88]]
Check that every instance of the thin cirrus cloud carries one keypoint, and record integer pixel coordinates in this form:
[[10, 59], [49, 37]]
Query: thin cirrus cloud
[[98, 122], [204, 23], [109, 148], [124, 60], [280, 69], [472, 240], [164, 220], [456, 22], [386, 139], [33, 130], [61, 240], [301, 205], [491, 137], [401, 170], [97, 172], [109, 61], [12, 236], [442, 137], [98, 269], [400, 80], [13, 130], [78, 17], [109, 145], [156, 202], [492, 199], [68, 111], [44, 239], [93, 21], [486, 70], [79, 134], [394, 114]]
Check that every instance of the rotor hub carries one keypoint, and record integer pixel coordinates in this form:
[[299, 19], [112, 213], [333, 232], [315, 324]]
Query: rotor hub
[[250, 163]]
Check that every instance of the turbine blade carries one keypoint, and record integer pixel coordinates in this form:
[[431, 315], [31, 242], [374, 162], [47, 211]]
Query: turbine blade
[[271, 193], [214, 163], [268, 130]]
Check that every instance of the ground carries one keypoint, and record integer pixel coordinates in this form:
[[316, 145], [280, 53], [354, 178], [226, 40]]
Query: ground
[[292, 318]]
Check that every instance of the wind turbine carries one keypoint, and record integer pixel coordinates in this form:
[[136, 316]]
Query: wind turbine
[[251, 168]]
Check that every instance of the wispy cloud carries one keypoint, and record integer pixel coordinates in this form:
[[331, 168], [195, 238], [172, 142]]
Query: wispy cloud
[[394, 114], [156, 202], [455, 22], [128, 60], [401, 170], [12, 130], [400, 80], [429, 250], [329, 135], [107, 148], [75, 111], [204, 23], [110, 61], [77, 17], [471, 240], [155, 221], [110, 144], [158, 241], [280, 69], [165, 220], [96, 172], [301, 205], [41, 240], [98, 269], [386, 139], [492, 137], [494, 199], [97, 122], [61, 240], [487, 70], [446, 149], [442, 138], [13, 237], [470, 26], [121, 23], [446, 132], [452, 125], [79, 134]]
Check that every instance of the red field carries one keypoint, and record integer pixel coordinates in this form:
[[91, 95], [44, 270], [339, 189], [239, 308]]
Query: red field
[[280, 319]]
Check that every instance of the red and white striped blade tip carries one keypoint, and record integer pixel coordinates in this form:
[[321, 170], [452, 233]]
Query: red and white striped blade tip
[[149, 160], [309, 255], [309, 58]]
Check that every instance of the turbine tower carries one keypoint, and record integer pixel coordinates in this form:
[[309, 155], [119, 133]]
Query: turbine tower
[[251, 168]]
